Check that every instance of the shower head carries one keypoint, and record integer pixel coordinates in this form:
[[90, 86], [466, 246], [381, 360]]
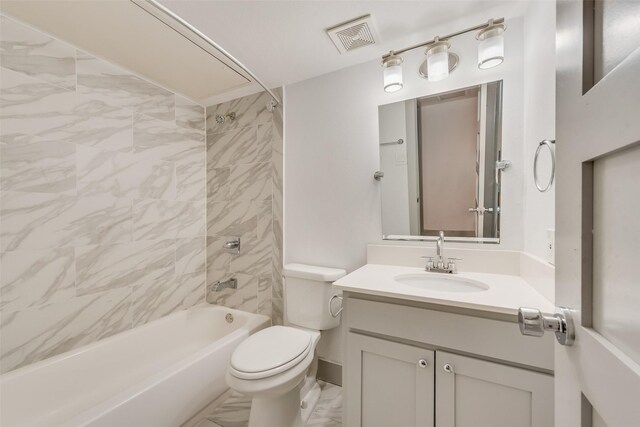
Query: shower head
[[221, 119], [271, 105]]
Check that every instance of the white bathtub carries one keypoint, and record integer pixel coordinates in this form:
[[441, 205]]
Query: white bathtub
[[156, 375]]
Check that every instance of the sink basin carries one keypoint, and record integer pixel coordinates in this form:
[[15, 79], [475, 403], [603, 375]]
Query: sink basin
[[441, 283]]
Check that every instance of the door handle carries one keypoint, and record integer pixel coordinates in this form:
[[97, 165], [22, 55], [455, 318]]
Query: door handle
[[533, 323]]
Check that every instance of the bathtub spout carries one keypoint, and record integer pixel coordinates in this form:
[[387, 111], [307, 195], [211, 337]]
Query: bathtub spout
[[222, 285]]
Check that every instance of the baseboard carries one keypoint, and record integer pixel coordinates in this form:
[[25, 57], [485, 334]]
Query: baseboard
[[330, 372]]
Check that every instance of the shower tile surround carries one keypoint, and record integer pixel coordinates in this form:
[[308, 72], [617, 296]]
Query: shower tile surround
[[102, 198], [244, 198], [104, 192]]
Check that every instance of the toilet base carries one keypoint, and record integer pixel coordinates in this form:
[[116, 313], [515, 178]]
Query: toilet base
[[292, 409]]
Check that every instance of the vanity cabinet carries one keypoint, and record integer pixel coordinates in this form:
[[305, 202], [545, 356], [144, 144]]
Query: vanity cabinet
[[409, 366], [394, 383], [476, 393]]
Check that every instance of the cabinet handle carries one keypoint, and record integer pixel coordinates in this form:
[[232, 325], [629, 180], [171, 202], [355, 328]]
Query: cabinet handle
[[448, 368], [422, 363]]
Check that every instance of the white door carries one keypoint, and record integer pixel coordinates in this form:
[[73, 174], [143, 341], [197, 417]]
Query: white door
[[597, 379]]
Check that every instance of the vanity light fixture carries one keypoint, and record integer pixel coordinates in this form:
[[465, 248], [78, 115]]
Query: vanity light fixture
[[392, 73], [440, 61], [491, 47]]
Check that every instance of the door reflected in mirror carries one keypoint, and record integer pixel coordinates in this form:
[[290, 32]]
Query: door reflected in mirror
[[441, 159]]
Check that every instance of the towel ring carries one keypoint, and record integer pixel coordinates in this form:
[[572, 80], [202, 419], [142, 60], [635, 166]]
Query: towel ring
[[544, 143]]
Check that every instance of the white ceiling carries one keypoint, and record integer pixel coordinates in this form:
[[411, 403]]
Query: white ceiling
[[284, 42]]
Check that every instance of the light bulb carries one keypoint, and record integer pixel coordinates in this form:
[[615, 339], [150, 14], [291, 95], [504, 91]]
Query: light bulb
[[491, 47], [438, 61], [392, 73]]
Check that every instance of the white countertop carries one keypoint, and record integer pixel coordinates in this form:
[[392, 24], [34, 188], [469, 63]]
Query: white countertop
[[506, 293]]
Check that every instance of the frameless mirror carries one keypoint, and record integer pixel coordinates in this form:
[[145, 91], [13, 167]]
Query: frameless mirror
[[440, 157]]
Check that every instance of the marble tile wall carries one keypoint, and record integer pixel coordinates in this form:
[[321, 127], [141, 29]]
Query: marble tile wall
[[244, 198], [103, 198]]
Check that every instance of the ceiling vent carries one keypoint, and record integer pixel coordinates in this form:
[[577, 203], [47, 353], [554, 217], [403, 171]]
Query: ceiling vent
[[353, 34]]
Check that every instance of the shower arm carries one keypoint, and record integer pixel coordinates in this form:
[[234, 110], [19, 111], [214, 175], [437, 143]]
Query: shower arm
[[144, 4]]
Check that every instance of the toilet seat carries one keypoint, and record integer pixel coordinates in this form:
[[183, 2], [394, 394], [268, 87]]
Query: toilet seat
[[269, 352]]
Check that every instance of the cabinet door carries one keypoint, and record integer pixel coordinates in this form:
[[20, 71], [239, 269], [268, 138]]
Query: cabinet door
[[476, 393], [388, 384]]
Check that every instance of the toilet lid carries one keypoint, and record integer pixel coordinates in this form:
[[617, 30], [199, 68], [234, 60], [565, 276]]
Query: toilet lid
[[271, 348]]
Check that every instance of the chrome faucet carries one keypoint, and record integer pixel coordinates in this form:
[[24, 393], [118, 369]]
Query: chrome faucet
[[440, 266], [220, 286], [439, 249]]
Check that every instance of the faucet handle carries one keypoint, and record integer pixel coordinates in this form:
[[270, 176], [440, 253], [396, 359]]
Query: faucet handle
[[454, 259], [451, 266], [232, 245], [430, 263]]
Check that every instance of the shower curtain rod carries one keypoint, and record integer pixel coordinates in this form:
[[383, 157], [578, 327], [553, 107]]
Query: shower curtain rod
[[155, 4]]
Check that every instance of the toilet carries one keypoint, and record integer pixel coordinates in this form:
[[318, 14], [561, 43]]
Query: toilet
[[276, 366]]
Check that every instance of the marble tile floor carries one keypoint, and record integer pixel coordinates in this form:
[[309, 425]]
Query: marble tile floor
[[234, 412]]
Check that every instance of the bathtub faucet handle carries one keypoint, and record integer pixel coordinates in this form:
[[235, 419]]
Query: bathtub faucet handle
[[232, 246]]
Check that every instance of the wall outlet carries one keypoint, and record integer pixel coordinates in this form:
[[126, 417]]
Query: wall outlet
[[551, 246]]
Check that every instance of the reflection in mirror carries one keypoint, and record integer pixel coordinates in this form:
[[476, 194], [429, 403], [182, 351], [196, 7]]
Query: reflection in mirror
[[441, 159]]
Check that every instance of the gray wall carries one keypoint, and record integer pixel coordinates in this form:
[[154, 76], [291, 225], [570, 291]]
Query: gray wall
[[540, 111]]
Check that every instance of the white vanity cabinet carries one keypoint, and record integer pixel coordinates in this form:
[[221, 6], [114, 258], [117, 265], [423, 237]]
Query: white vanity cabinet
[[420, 365], [476, 393], [393, 383]]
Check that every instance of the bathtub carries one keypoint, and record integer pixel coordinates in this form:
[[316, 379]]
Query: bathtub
[[156, 375]]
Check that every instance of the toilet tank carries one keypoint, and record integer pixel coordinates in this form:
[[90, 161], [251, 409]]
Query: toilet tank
[[308, 289]]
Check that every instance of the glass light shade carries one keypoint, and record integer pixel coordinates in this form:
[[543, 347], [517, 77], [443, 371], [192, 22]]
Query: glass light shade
[[491, 47], [392, 74], [438, 61]]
